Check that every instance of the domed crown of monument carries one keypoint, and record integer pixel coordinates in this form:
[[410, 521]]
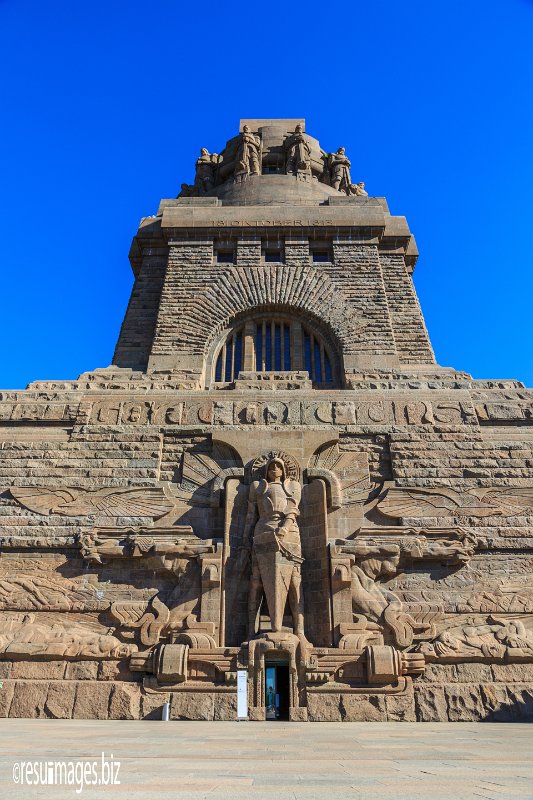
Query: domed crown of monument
[[273, 161]]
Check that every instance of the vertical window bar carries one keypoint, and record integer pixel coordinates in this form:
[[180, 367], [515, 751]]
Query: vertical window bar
[[233, 340], [282, 345], [223, 361], [287, 340], [258, 347], [238, 355], [313, 360], [322, 365], [307, 353], [268, 343], [263, 361], [218, 368], [327, 368], [276, 357], [229, 351]]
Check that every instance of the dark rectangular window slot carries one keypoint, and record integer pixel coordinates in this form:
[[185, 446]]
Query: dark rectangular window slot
[[273, 256], [321, 256], [225, 257], [270, 170]]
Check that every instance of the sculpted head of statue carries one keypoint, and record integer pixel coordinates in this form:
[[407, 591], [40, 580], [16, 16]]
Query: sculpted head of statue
[[341, 151], [204, 151], [275, 471], [245, 129], [299, 128]]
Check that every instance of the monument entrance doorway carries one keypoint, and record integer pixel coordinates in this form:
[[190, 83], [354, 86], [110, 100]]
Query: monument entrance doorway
[[277, 690]]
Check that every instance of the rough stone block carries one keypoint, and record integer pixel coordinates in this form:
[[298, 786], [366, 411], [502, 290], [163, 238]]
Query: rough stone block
[[512, 673], [6, 697], [225, 706], [92, 700], [430, 703], [38, 670], [125, 701], [363, 708], [116, 671], [464, 703], [521, 698], [60, 699], [152, 705], [29, 699], [298, 714], [401, 707], [81, 670], [5, 669], [323, 707], [473, 673], [438, 673], [192, 705]]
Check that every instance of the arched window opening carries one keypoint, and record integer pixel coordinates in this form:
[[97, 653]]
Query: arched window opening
[[271, 343]]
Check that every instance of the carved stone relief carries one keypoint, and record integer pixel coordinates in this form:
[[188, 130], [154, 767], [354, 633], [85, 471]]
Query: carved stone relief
[[25, 635], [444, 502], [497, 639]]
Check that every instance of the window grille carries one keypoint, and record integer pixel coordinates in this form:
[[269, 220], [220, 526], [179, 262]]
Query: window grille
[[274, 344]]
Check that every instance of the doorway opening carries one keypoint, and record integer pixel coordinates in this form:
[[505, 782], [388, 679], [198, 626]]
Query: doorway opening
[[277, 691]]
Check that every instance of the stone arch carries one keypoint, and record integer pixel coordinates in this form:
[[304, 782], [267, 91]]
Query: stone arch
[[234, 291]]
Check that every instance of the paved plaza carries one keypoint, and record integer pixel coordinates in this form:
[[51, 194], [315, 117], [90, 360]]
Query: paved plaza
[[297, 761]]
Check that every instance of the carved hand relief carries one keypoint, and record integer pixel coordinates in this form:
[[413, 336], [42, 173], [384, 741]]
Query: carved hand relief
[[141, 502], [444, 502]]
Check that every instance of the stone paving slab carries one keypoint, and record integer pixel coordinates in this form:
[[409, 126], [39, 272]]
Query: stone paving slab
[[256, 761]]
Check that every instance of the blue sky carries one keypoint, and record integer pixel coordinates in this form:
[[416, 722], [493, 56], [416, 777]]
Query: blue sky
[[106, 104]]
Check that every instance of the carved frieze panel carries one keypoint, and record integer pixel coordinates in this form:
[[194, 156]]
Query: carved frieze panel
[[444, 502], [228, 412], [71, 502], [56, 636]]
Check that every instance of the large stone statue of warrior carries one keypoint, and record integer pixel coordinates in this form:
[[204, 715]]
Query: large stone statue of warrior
[[248, 159], [272, 533], [339, 171], [297, 153]]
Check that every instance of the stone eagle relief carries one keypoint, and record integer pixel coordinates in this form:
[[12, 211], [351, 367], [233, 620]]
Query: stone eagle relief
[[128, 502], [444, 502]]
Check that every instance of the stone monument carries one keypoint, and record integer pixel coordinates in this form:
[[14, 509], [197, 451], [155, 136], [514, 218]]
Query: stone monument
[[273, 477]]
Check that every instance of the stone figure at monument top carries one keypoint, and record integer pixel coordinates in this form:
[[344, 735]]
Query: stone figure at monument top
[[339, 170], [248, 155], [205, 171], [297, 153]]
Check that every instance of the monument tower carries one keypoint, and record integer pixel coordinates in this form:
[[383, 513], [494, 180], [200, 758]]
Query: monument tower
[[274, 480]]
